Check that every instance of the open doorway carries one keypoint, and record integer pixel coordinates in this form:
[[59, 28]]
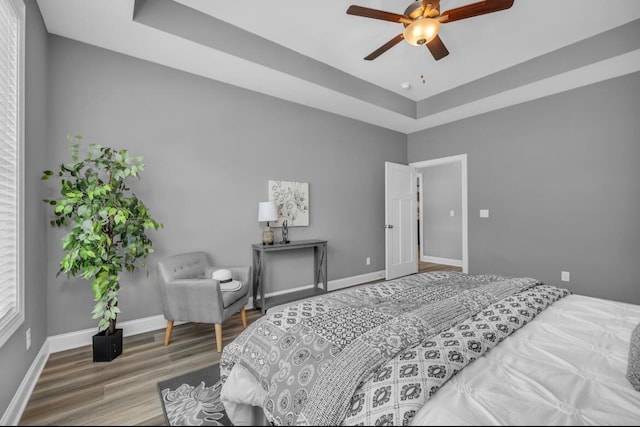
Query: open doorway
[[442, 214], [425, 266]]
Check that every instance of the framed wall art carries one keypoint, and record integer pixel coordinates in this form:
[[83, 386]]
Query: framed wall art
[[292, 201]]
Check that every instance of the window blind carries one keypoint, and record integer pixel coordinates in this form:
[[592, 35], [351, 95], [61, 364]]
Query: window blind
[[11, 312]]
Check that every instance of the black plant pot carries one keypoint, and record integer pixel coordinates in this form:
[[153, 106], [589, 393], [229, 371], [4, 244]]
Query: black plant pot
[[107, 347]]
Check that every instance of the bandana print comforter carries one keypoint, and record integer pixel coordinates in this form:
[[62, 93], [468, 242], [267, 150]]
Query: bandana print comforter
[[374, 354]]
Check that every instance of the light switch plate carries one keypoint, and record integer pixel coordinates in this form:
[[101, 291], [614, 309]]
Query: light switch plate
[[565, 276], [452, 213], [484, 213]]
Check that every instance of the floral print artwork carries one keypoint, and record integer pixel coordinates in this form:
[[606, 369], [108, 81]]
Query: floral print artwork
[[292, 201]]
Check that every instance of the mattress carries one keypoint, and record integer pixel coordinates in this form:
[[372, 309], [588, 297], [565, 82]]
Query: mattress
[[566, 367]]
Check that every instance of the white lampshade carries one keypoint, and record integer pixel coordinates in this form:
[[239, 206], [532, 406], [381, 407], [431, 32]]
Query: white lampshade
[[267, 211], [421, 31]]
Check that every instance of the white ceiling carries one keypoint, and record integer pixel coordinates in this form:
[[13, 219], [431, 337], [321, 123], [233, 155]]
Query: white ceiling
[[499, 42]]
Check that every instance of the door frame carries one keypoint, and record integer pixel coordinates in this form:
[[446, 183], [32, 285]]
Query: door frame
[[462, 158]]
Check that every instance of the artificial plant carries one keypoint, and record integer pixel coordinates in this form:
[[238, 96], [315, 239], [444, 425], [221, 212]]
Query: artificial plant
[[108, 222]]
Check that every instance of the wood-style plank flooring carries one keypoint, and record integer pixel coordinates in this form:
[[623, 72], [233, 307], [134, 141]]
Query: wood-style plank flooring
[[73, 390], [429, 266]]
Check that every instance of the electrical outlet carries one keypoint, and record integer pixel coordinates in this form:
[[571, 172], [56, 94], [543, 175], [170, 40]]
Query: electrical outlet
[[368, 260], [564, 276], [28, 336], [452, 213]]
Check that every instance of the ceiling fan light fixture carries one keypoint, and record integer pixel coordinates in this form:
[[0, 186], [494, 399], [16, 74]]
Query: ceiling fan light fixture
[[421, 31]]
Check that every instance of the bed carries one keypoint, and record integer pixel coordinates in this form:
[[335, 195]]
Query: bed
[[441, 348]]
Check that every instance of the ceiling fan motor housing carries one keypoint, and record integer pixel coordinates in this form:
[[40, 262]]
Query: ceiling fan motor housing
[[416, 12]]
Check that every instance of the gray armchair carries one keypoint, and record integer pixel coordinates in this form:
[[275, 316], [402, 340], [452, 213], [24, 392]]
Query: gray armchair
[[189, 294]]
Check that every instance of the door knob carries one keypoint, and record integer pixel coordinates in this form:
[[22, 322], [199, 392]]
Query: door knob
[[388, 226]]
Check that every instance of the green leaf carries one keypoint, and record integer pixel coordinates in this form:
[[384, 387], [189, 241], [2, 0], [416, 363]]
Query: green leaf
[[83, 210], [87, 225]]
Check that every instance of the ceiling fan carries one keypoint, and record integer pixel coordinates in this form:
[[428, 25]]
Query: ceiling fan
[[422, 21]]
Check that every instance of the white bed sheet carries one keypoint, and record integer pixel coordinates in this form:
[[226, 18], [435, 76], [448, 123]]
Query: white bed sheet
[[566, 367]]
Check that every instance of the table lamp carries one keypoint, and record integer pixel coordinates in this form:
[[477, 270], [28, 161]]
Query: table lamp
[[267, 212]]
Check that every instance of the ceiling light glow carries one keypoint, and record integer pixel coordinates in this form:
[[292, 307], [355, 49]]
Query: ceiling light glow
[[421, 31]]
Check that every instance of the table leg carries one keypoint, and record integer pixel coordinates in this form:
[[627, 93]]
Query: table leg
[[320, 265], [324, 257], [258, 280]]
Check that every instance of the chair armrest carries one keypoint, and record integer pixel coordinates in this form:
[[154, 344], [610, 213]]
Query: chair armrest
[[193, 300]]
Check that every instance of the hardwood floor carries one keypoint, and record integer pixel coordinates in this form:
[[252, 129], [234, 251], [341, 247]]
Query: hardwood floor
[[73, 390], [424, 267]]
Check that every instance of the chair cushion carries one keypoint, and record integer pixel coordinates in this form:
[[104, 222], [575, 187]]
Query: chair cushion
[[231, 286], [230, 297], [184, 266]]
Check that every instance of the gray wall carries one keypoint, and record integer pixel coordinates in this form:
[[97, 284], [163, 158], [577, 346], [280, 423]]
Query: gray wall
[[441, 190], [560, 178], [15, 360], [210, 149]]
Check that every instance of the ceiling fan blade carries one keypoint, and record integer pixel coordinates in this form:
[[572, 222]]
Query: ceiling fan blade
[[378, 14], [385, 47], [475, 9], [437, 48]]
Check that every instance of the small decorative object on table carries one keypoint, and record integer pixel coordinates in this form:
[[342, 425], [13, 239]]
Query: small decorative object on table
[[285, 232], [267, 212]]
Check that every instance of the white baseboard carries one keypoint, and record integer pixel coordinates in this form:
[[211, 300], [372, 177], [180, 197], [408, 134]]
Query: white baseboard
[[332, 285], [345, 282], [445, 261], [85, 337], [19, 402]]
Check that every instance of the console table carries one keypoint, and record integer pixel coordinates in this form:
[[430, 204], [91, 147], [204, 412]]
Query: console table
[[319, 268]]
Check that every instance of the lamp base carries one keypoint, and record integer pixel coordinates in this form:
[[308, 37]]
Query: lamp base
[[267, 236]]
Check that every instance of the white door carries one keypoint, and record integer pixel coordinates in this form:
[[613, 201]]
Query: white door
[[401, 234]]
